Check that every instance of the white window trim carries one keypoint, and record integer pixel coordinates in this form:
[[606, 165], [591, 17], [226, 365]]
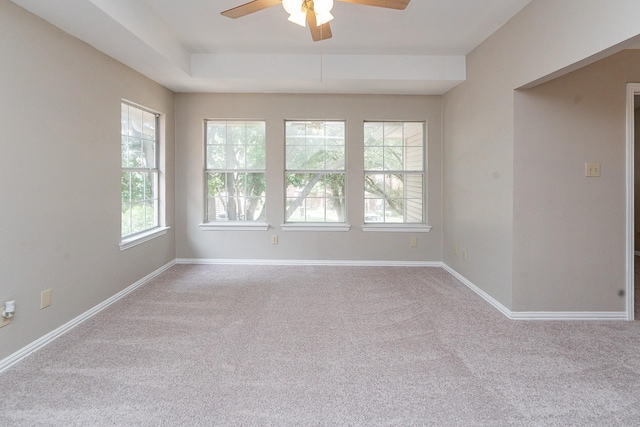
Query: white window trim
[[421, 227], [145, 236], [397, 228], [216, 225], [160, 229], [234, 226], [315, 226]]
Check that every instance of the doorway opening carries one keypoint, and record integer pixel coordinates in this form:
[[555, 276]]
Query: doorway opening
[[633, 224]]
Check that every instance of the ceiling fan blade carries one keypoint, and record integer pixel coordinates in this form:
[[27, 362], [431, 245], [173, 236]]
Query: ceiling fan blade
[[318, 32], [247, 8], [389, 4]]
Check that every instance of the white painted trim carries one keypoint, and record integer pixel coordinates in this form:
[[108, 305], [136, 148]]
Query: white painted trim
[[346, 263], [234, 226], [132, 241], [14, 358], [537, 315], [398, 228], [298, 226], [568, 315], [632, 89], [495, 303]]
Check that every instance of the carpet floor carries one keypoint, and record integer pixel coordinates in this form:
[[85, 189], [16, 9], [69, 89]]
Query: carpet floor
[[324, 346]]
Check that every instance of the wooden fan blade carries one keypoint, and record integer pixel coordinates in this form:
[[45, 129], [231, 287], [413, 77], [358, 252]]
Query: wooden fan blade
[[389, 4], [318, 33], [247, 8]]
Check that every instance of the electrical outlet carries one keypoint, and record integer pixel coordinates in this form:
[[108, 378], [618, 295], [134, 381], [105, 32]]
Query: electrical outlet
[[455, 250], [464, 254], [45, 299], [413, 242], [274, 239], [592, 169], [3, 321]]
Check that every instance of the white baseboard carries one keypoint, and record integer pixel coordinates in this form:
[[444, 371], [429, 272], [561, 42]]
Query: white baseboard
[[537, 315], [569, 315], [46, 339], [494, 302], [347, 263]]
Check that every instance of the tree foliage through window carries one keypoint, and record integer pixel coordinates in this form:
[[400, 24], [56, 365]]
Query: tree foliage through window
[[315, 171], [235, 170], [140, 174], [394, 172]]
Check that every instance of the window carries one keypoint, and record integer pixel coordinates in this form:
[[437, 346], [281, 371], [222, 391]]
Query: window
[[315, 171], [140, 174], [394, 172], [235, 171]]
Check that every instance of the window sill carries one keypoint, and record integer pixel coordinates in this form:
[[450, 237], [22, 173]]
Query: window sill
[[145, 236], [234, 226], [398, 228], [316, 226]]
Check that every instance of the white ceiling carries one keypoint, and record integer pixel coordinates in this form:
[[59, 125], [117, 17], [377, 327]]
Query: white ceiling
[[188, 46]]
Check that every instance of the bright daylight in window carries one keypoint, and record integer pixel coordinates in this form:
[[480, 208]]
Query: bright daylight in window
[[394, 172], [139, 148], [235, 170], [315, 171]]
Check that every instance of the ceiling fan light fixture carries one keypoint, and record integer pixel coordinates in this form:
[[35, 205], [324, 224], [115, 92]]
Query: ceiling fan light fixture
[[316, 12], [323, 18], [321, 7], [299, 18], [292, 6]]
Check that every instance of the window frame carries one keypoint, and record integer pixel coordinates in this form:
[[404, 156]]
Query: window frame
[[158, 228], [423, 172], [235, 225], [297, 225]]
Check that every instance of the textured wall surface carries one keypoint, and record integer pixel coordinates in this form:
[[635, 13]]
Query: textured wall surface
[[60, 176]]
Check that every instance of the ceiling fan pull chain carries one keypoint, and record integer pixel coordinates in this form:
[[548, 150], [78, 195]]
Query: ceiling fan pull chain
[[321, 51]]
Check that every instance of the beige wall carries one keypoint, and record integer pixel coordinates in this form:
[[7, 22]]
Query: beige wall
[[569, 230], [547, 38], [60, 176], [355, 244]]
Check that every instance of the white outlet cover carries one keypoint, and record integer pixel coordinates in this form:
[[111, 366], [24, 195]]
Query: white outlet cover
[[45, 298]]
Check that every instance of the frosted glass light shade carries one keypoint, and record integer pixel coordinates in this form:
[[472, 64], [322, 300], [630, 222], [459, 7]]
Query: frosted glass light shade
[[292, 6], [322, 7], [323, 18], [299, 18]]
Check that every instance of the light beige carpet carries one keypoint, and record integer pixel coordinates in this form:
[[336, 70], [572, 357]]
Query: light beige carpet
[[327, 346]]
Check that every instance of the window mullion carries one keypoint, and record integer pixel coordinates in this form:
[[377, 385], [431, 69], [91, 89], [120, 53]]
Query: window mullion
[[228, 151], [140, 210], [393, 147], [314, 148]]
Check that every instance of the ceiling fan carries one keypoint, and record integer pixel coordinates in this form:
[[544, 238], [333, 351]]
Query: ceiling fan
[[317, 13]]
